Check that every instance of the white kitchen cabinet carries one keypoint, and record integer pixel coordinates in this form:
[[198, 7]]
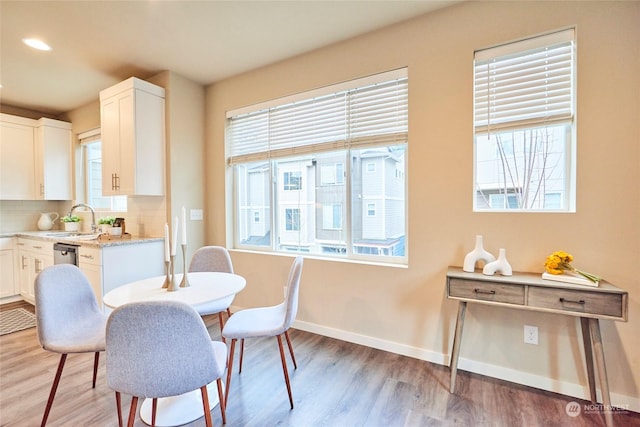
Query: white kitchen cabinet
[[33, 257], [7, 278], [132, 117], [35, 159], [53, 157], [115, 265], [90, 263], [17, 158]]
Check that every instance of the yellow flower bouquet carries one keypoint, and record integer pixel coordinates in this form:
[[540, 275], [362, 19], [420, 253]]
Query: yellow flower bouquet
[[560, 261]]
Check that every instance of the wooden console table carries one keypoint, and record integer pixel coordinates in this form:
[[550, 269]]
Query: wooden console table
[[528, 291]]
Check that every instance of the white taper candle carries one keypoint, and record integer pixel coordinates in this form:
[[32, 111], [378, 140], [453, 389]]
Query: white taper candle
[[174, 242], [166, 242]]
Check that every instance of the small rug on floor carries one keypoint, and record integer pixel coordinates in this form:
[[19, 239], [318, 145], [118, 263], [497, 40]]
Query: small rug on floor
[[16, 320]]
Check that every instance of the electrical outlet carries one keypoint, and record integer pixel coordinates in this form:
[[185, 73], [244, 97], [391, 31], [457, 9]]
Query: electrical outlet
[[531, 334], [195, 214]]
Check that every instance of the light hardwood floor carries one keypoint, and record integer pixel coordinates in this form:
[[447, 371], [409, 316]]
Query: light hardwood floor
[[336, 384]]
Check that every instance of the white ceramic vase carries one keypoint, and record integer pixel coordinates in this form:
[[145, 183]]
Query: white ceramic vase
[[477, 254], [501, 265]]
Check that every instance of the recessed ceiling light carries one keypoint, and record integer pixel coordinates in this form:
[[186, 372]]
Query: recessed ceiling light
[[36, 44]]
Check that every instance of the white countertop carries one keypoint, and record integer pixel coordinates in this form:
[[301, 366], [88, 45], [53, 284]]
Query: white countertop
[[81, 240]]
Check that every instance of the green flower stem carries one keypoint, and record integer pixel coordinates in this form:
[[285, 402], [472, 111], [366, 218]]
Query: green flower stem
[[589, 276]]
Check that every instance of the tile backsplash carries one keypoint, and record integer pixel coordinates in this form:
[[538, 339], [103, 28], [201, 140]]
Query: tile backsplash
[[145, 216], [23, 215]]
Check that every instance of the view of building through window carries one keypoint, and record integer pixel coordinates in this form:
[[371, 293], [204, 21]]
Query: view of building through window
[[310, 213], [522, 169]]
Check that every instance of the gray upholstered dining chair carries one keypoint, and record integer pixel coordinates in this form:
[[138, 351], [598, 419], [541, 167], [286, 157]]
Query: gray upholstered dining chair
[[68, 318], [160, 349], [213, 258], [273, 321]]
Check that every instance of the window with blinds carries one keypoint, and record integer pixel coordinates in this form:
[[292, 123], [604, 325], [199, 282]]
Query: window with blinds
[[301, 162], [524, 115]]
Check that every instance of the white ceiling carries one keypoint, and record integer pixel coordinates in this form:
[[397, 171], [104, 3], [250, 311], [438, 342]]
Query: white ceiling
[[99, 43]]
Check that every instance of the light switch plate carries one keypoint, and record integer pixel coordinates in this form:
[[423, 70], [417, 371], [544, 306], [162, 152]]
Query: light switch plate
[[195, 214]]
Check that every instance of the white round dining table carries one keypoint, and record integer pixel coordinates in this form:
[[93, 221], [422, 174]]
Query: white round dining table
[[203, 287]]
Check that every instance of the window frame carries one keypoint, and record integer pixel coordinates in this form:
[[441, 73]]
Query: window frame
[[238, 177], [525, 117]]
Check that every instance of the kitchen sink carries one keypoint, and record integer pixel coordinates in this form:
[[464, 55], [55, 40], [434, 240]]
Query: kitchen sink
[[73, 235]]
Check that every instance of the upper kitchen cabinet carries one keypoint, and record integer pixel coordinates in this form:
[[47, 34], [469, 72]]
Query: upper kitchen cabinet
[[35, 159], [133, 134], [53, 160], [17, 164]]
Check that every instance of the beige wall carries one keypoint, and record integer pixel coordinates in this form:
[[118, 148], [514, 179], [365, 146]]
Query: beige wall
[[185, 165], [404, 309]]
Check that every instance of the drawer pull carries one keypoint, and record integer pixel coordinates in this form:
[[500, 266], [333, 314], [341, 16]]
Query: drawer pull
[[568, 301], [480, 291], [86, 256]]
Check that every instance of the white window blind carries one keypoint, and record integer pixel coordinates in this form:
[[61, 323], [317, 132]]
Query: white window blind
[[525, 83], [376, 113]]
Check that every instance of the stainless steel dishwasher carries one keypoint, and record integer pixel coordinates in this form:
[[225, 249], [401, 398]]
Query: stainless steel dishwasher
[[64, 253]]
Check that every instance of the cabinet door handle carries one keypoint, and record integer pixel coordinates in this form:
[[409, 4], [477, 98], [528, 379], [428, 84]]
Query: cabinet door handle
[[24, 265], [117, 182], [42, 189], [568, 301], [37, 247], [480, 291], [38, 265]]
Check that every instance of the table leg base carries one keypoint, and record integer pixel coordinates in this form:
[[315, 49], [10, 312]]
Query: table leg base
[[179, 410]]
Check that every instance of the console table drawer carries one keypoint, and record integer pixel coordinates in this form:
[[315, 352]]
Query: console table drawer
[[490, 292], [597, 303]]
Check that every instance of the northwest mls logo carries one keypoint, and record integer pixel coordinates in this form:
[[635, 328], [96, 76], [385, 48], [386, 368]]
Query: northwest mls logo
[[573, 409]]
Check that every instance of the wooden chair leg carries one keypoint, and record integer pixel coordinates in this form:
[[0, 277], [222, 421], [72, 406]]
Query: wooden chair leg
[[223, 404], [284, 369], [229, 370], [228, 313], [221, 321], [54, 387], [132, 411], [286, 335], [119, 408], [96, 359], [241, 355], [154, 410], [205, 405]]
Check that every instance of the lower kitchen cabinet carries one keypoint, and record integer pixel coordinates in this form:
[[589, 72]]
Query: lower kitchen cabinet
[[33, 257], [90, 263], [8, 281], [106, 266], [115, 265]]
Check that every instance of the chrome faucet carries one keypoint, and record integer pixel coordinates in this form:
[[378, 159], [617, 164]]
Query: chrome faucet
[[94, 226]]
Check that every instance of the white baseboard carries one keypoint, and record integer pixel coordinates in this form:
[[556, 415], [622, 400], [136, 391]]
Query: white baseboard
[[7, 300], [512, 375]]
